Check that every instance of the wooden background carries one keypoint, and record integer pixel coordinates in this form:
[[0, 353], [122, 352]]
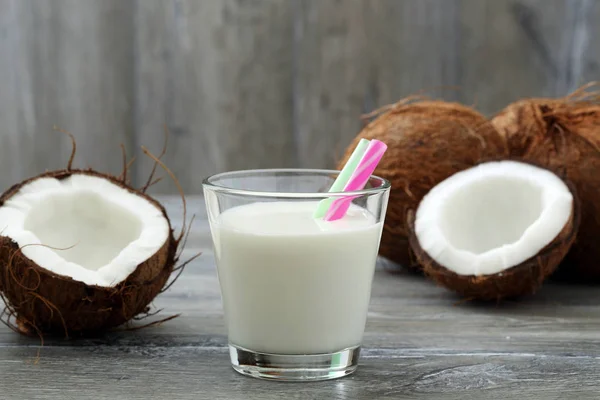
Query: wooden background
[[261, 83]]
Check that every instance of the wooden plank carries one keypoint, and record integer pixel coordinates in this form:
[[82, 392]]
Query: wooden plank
[[578, 20], [16, 148], [331, 82], [591, 53], [406, 313], [529, 48], [510, 51], [354, 58], [413, 47], [132, 373], [70, 65], [219, 74]]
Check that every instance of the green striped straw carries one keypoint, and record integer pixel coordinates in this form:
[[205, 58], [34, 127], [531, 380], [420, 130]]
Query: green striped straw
[[343, 177]]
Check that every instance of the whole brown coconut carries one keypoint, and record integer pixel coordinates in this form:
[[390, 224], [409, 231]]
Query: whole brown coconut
[[427, 142], [45, 302], [563, 135]]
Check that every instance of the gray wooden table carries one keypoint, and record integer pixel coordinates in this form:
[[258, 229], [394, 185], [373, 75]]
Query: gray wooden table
[[420, 342]]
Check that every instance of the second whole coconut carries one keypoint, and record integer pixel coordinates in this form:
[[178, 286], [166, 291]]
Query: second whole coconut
[[428, 141], [563, 135]]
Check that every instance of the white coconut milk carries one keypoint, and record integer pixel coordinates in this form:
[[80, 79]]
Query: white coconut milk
[[292, 284]]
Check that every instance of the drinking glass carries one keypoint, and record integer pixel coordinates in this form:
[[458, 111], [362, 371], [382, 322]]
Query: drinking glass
[[295, 288]]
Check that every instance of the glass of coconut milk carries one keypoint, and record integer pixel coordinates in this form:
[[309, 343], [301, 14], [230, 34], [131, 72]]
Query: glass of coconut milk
[[295, 288]]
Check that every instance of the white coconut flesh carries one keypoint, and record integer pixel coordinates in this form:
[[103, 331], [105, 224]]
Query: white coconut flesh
[[492, 217], [99, 232]]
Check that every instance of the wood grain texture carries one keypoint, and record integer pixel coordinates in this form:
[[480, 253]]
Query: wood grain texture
[[332, 77], [580, 17], [524, 48], [219, 74], [420, 342], [591, 55], [508, 50], [414, 48], [265, 83], [132, 373], [16, 146], [66, 63], [353, 56]]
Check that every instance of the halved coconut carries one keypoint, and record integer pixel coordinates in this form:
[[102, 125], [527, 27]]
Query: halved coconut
[[495, 230], [81, 251]]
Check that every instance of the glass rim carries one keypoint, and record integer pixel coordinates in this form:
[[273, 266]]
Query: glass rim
[[209, 183]]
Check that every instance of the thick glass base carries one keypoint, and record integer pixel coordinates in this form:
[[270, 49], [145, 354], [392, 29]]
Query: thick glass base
[[309, 367]]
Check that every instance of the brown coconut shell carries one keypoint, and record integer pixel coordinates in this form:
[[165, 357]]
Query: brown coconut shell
[[520, 280], [427, 142], [46, 302], [563, 135]]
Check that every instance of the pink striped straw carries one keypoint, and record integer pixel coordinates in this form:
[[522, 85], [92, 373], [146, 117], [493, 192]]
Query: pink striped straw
[[358, 180]]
